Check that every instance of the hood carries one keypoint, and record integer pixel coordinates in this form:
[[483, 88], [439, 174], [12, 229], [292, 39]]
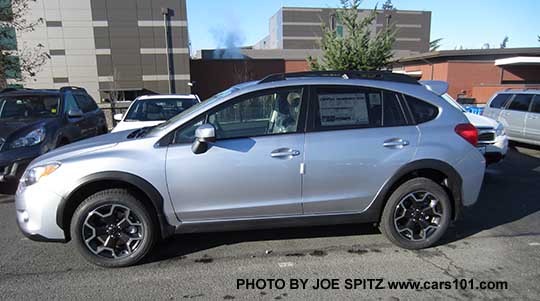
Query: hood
[[132, 125], [481, 121], [83, 147], [9, 126]]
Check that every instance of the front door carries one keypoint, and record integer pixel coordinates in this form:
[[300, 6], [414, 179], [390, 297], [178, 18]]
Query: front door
[[358, 138], [253, 168]]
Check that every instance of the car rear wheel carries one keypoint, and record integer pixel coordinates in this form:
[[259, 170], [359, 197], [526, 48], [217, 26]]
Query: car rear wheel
[[113, 229], [417, 214]]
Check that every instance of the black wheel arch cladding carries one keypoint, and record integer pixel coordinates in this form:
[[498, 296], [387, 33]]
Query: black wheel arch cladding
[[152, 194]]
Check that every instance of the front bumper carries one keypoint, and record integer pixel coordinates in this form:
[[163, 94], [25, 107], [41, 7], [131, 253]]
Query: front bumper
[[13, 163], [36, 213], [496, 151]]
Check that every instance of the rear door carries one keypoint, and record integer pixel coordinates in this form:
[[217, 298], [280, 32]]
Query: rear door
[[513, 118], [357, 138], [532, 123]]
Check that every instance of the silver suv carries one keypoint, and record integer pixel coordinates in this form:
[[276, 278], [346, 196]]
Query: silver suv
[[292, 149], [519, 113]]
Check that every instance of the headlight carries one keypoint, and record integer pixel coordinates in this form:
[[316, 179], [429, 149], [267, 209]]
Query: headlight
[[499, 131], [33, 175], [32, 138]]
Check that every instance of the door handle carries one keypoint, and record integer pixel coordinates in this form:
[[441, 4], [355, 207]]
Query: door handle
[[284, 153], [395, 143]]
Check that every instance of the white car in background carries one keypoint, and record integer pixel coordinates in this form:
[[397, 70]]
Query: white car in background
[[152, 110], [492, 139]]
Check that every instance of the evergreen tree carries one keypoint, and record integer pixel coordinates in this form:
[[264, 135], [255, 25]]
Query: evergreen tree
[[356, 48]]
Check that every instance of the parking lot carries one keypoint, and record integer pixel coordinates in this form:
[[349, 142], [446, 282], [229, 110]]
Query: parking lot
[[499, 240]]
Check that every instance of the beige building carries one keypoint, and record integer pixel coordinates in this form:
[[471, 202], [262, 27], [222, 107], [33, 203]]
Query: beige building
[[111, 45]]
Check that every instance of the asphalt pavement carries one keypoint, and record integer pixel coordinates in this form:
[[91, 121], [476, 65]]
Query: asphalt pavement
[[498, 240]]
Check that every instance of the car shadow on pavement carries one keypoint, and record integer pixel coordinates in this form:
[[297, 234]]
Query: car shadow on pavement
[[510, 192], [185, 244]]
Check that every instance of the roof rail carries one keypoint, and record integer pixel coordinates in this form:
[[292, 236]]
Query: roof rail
[[70, 88], [517, 88], [12, 89], [369, 75]]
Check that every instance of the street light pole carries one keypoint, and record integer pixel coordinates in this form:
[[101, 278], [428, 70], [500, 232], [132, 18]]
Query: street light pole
[[166, 13]]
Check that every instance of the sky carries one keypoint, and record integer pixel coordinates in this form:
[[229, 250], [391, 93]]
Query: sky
[[461, 23]]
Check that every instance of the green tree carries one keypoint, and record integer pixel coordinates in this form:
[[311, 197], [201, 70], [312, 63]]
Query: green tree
[[435, 44], [504, 42], [18, 61], [357, 48], [387, 5]]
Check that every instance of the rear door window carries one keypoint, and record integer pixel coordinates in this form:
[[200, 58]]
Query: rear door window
[[535, 108], [345, 107], [500, 101], [85, 103], [521, 102]]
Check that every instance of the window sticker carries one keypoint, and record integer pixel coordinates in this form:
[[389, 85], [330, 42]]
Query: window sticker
[[343, 109]]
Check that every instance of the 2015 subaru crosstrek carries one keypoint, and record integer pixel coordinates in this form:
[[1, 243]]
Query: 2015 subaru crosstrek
[[292, 149]]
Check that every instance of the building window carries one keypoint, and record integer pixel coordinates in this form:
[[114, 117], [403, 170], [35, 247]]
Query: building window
[[60, 80], [54, 23], [5, 7], [58, 52], [12, 67], [8, 38], [339, 30]]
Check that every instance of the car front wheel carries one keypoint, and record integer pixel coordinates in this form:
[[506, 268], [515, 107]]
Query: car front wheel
[[112, 228], [417, 214]]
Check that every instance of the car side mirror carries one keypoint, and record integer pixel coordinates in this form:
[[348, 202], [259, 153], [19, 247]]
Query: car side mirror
[[75, 113], [204, 135], [118, 117]]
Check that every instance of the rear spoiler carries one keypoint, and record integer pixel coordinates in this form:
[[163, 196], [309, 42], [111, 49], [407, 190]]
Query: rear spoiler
[[438, 87]]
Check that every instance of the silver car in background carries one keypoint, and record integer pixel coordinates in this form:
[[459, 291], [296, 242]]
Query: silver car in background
[[294, 149], [519, 112]]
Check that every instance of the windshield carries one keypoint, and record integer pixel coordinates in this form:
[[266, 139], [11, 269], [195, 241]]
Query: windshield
[[28, 106], [158, 109], [194, 108], [449, 99]]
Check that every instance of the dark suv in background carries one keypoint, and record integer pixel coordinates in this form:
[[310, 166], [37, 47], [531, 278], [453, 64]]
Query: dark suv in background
[[33, 122]]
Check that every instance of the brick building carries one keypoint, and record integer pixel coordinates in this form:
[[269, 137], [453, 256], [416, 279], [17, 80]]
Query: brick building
[[477, 73]]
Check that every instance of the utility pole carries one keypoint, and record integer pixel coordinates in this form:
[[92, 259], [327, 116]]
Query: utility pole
[[166, 17]]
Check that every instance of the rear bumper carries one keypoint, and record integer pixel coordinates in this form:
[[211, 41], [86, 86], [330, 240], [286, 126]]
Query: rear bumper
[[471, 169]]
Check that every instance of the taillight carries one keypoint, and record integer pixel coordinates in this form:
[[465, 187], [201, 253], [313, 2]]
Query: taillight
[[468, 132]]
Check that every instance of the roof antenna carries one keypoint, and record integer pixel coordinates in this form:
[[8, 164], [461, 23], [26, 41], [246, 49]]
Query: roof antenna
[[345, 76]]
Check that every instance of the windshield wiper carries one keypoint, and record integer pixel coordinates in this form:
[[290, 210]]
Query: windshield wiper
[[140, 132]]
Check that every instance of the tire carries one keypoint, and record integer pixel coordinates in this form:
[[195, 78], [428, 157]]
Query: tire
[[403, 227], [101, 212]]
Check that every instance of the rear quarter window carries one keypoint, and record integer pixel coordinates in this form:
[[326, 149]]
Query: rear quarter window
[[500, 101], [421, 110], [521, 102]]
